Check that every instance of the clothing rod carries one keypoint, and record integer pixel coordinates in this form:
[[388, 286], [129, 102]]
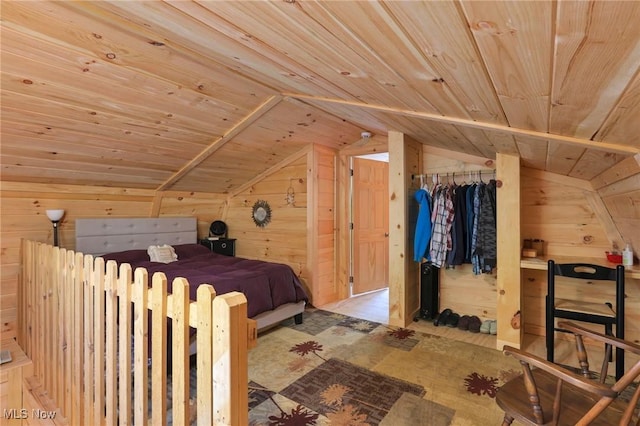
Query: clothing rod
[[464, 173]]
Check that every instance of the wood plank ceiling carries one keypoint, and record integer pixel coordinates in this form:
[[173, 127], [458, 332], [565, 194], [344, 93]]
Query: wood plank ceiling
[[204, 95]]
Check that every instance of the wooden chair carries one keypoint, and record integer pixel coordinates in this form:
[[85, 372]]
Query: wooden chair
[[548, 394], [604, 313]]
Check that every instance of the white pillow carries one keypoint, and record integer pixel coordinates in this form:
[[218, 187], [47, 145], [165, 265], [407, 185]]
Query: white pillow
[[163, 254]]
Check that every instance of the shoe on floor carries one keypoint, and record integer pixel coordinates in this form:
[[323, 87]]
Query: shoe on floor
[[441, 318], [463, 323], [452, 320], [494, 327], [475, 324], [485, 328]]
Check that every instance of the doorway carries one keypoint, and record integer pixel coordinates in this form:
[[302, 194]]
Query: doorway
[[369, 224]]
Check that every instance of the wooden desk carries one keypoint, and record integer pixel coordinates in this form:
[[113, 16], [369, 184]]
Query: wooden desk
[[540, 263], [12, 408]]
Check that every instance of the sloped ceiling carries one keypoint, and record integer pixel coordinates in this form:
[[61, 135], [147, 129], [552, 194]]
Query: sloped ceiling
[[204, 95]]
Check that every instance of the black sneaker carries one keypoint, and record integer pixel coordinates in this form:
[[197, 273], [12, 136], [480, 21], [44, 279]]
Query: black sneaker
[[442, 317], [452, 320]]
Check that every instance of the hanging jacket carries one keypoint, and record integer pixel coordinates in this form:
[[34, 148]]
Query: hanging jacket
[[487, 224], [476, 254], [459, 230], [423, 226], [469, 223]]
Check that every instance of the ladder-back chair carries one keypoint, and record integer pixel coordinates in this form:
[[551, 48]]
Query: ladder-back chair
[[605, 312]]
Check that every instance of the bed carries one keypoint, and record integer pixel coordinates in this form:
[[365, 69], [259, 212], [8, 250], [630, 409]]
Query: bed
[[273, 290]]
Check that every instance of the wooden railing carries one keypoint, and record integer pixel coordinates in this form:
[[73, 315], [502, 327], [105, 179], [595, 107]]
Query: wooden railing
[[86, 326]]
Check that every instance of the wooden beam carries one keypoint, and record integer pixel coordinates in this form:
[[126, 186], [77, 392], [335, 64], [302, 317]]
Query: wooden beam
[[398, 257], [156, 204], [405, 159], [508, 226], [543, 137], [87, 191], [220, 142]]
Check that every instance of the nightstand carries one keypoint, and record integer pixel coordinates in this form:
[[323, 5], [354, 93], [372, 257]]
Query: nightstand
[[12, 374], [226, 246]]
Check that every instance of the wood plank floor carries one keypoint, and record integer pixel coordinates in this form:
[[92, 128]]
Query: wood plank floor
[[374, 306]]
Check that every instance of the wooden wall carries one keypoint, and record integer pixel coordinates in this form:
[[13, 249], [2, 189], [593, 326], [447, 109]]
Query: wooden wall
[[23, 216], [574, 217], [206, 207], [283, 240], [619, 190], [558, 209], [571, 217], [302, 232]]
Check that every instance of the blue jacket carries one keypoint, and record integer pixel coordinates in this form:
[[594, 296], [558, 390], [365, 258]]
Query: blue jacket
[[423, 226]]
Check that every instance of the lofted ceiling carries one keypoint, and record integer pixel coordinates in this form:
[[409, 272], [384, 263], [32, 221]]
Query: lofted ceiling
[[205, 95]]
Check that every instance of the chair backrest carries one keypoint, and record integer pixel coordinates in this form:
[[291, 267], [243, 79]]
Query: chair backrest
[[586, 303], [627, 379], [588, 272], [585, 271], [521, 396]]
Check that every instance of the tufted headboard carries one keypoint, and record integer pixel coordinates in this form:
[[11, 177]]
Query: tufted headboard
[[108, 235]]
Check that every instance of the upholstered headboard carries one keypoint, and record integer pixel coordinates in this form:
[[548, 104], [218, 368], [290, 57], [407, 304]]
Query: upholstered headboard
[[108, 235]]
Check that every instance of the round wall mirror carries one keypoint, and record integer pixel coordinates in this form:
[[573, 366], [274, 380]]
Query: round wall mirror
[[261, 213]]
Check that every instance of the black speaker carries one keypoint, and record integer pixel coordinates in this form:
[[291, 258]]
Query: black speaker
[[429, 290]]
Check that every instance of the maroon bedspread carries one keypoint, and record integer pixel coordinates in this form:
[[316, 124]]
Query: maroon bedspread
[[266, 285]]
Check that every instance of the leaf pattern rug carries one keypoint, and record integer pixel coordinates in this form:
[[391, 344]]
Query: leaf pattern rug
[[338, 370]]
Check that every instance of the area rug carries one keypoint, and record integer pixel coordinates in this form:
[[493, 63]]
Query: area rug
[[338, 370]]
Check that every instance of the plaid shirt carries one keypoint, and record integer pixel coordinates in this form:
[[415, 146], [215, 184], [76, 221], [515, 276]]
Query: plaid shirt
[[439, 219], [448, 205]]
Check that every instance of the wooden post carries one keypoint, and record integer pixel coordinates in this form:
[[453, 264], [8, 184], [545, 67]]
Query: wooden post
[[88, 347], [180, 350], [125, 394], [98, 341], [405, 158], [230, 366], [508, 238], [111, 343], [159, 339], [205, 296], [141, 347]]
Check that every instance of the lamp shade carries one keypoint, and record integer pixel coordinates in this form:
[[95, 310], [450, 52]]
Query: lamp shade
[[55, 215]]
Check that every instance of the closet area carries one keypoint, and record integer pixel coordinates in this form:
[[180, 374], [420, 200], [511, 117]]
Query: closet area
[[569, 216], [455, 243]]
